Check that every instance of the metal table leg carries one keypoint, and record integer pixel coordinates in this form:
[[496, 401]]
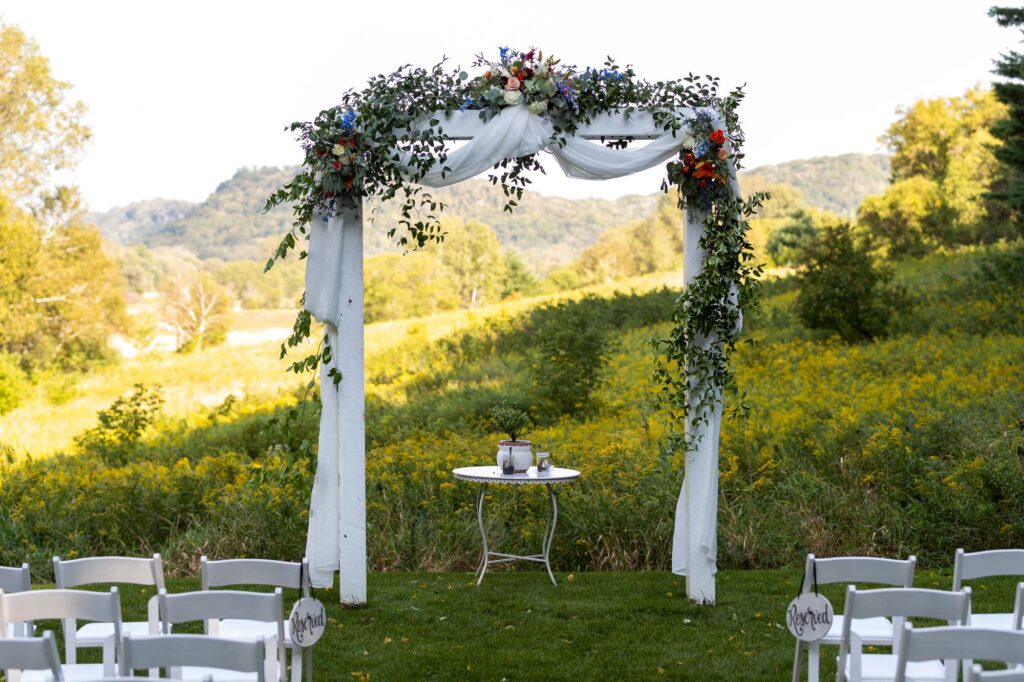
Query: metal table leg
[[549, 532], [482, 568], [488, 557]]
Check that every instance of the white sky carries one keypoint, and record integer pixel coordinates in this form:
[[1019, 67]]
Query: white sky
[[183, 93]]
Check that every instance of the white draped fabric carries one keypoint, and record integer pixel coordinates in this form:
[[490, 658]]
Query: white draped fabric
[[335, 534]]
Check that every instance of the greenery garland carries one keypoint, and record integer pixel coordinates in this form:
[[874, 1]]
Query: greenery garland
[[354, 151]]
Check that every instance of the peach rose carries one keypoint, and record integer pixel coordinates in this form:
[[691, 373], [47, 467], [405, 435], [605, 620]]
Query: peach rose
[[513, 83], [722, 154]]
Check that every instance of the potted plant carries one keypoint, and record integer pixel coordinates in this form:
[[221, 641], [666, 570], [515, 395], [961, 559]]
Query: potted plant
[[514, 455]]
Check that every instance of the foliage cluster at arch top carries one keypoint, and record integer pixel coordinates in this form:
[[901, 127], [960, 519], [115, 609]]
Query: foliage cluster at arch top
[[356, 148]]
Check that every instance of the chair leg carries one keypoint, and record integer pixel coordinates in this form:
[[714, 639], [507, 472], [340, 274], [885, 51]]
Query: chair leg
[[812, 662], [296, 656], [797, 660]]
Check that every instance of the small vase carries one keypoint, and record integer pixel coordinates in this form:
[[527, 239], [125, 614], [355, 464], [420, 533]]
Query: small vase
[[521, 452]]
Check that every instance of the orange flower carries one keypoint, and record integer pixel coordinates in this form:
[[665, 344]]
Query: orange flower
[[704, 169]]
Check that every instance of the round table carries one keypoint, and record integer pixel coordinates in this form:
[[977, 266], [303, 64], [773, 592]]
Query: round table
[[485, 475]]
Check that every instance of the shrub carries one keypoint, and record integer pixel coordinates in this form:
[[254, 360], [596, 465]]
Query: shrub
[[13, 383], [842, 289], [570, 346], [121, 426]]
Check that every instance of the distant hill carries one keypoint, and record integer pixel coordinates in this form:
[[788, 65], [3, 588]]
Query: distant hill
[[547, 231], [833, 183], [230, 223]]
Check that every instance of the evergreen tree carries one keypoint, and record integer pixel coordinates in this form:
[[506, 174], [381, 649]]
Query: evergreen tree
[[1010, 187]]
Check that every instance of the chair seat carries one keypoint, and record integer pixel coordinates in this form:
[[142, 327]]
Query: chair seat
[[882, 668], [994, 621], [94, 634], [217, 675], [251, 630], [873, 631], [72, 673]]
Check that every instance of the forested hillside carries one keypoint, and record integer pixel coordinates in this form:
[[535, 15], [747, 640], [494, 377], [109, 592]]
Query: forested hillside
[[230, 223], [830, 183]]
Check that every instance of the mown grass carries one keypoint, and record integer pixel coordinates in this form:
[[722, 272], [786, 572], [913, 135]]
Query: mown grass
[[593, 626]]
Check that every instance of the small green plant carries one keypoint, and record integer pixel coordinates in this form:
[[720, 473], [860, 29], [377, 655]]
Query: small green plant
[[511, 420], [121, 426]]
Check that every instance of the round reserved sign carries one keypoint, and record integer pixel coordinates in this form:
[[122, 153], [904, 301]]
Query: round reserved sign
[[307, 622], [809, 617]]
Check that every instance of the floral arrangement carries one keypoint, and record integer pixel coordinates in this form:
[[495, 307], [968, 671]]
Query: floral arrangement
[[702, 171], [523, 78], [350, 155]]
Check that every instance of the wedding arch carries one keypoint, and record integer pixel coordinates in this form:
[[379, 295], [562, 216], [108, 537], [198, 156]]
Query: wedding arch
[[394, 138]]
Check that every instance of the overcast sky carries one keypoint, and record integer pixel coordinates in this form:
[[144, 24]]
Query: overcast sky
[[183, 93]]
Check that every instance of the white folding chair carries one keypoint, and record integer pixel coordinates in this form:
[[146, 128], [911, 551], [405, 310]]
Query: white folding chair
[[176, 651], [284, 574], [985, 644], [15, 580], [899, 604], [858, 571], [108, 570], [65, 605], [992, 563], [211, 606], [30, 653]]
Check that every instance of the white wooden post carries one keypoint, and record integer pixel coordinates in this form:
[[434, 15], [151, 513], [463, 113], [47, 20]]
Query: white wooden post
[[348, 358]]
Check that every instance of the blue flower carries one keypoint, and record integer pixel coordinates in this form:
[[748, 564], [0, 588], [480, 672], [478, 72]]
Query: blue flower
[[467, 103], [348, 120], [700, 149], [504, 53], [610, 75]]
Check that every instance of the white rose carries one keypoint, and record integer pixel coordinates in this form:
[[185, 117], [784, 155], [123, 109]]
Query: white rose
[[689, 141], [538, 107], [338, 149], [513, 97]]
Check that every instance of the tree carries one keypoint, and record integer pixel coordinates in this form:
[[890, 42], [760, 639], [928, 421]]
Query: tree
[[518, 280], [1009, 189], [196, 307], [909, 218], [41, 129], [61, 293], [841, 288], [787, 243], [410, 285], [471, 253], [942, 168]]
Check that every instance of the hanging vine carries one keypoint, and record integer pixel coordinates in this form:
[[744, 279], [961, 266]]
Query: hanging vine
[[380, 141]]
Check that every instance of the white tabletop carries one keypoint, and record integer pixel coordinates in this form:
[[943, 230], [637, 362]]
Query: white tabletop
[[492, 474]]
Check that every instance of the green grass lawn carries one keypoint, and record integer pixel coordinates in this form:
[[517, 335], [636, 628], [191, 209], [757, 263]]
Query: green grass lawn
[[593, 626]]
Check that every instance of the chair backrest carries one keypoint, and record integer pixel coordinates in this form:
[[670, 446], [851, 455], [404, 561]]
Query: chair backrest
[[859, 570], [913, 602], [15, 579], [289, 574], [31, 653], [979, 675], [107, 570], [994, 562], [970, 643], [166, 651], [63, 604], [898, 604], [191, 606]]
